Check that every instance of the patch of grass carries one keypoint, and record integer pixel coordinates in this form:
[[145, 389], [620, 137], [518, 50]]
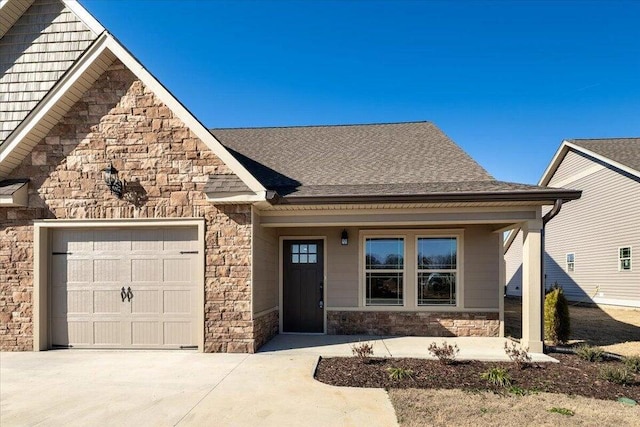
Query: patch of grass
[[519, 391], [497, 376], [446, 353], [590, 353], [562, 411], [616, 375], [632, 363], [399, 373]]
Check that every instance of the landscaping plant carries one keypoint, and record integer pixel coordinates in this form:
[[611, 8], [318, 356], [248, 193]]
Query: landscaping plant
[[363, 351], [632, 363], [497, 376], [398, 373], [446, 353], [620, 376], [562, 411], [590, 353], [518, 356], [556, 317]]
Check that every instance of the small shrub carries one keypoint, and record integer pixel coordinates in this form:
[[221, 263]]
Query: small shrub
[[497, 376], [446, 353], [399, 373], [590, 353], [632, 363], [617, 375], [363, 351], [562, 411], [518, 356], [556, 317]]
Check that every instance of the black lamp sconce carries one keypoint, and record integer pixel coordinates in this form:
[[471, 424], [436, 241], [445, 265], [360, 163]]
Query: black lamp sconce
[[344, 237], [110, 175]]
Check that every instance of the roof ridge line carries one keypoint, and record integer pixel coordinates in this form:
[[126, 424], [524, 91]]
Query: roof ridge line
[[325, 125]]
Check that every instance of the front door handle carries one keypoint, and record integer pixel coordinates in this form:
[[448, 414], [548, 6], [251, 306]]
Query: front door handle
[[123, 294], [129, 293]]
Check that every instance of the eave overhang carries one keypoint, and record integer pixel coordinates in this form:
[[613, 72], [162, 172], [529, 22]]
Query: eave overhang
[[14, 193]]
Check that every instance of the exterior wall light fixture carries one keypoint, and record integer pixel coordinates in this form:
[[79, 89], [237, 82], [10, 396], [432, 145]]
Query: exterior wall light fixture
[[110, 175], [344, 237]]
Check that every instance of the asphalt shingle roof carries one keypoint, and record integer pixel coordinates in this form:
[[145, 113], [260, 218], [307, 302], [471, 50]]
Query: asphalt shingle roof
[[10, 186], [225, 184], [625, 151]]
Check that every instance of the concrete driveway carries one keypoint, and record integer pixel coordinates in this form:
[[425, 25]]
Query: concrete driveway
[[178, 388]]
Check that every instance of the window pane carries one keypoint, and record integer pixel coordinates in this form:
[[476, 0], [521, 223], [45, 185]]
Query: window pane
[[295, 258], [625, 252], [303, 258], [303, 249], [313, 249], [436, 288], [385, 253], [295, 249], [312, 258], [625, 264], [437, 253], [384, 288], [570, 257]]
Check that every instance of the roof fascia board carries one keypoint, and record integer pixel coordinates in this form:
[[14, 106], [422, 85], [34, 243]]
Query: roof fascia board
[[84, 15], [51, 98], [183, 114], [216, 198]]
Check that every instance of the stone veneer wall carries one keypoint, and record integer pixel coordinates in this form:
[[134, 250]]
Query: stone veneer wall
[[165, 166], [436, 324], [265, 327]]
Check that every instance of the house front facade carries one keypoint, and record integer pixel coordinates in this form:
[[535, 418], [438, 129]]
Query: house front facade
[[591, 249], [125, 223]]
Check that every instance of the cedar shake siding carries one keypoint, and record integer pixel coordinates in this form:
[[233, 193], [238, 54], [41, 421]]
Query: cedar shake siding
[[165, 168]]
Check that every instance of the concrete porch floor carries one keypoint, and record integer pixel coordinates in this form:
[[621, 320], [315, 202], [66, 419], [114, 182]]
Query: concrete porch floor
[[471, 348]]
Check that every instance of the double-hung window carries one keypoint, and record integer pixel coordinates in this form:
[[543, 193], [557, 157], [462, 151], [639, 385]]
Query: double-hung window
[[437, 270], [384, 270], [624, 258], [571, 262]]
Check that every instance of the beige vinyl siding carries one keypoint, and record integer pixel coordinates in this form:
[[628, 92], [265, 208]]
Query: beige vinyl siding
[[572, 164], [34, 53], [605, 218], [513, 266], [481, 267], [10, 12], [265, 267]]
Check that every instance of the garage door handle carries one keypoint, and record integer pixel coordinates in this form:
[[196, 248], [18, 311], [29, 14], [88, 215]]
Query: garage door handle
[[129, 293], [123, 294]]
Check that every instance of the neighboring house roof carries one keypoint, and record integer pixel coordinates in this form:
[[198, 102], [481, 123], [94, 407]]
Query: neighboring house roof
[[395, 161], [620, 153], [62, 90]]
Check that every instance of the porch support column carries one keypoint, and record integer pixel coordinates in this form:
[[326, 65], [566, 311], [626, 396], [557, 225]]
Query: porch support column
[[531, 286]]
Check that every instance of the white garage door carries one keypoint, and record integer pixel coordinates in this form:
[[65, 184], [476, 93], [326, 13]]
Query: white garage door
[[124, 288]]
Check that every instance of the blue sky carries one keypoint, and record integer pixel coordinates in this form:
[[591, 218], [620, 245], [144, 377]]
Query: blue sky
[[506, 80]]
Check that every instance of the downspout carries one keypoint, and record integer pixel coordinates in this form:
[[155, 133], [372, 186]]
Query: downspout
[[557, 206]]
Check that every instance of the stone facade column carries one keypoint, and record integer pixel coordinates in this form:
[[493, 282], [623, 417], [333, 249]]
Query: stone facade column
[[531, 286]]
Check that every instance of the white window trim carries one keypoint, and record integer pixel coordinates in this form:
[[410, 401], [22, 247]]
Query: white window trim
[[410, 280], [566, 262], [404, 268], [630, 258], [457, 270]]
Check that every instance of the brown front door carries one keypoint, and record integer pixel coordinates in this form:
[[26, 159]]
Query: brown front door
[[303, 286]]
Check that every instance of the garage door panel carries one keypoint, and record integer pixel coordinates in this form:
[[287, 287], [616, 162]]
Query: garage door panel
[[146, 270], [107, 270], [177, 301], [107, 333], [145, 302], [160, 311], [178, 269], [178, 333], [145, 333]]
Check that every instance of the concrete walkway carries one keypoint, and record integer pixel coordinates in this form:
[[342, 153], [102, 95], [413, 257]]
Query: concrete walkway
[[471, 348], [147, 388]]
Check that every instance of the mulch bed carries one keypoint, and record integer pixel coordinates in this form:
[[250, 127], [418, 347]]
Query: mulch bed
[[572, 376]]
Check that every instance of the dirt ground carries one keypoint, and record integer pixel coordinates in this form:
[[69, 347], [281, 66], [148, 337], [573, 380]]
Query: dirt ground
[[616, 330], [443, 408]]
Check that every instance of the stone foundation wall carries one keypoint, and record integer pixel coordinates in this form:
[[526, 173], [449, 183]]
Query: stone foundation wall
[[264, 328], [164, 166], [436, 324]]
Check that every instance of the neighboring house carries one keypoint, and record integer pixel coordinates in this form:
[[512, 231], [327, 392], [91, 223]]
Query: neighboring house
[[592, 248], [221, 239]]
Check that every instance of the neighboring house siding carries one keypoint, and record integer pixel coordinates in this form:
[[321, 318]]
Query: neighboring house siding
[[594, 227], [120, 119], [34, 54], [513, 267]]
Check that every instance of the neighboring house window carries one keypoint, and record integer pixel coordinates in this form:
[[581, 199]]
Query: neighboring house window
[[624, 263], [571, 262], [437, 270], [384, 270]]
